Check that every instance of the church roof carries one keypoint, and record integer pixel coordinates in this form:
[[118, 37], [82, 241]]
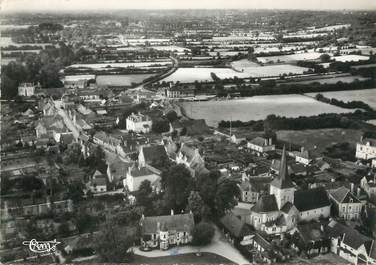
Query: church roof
[[306, 200], [283, 181], [266, 203]]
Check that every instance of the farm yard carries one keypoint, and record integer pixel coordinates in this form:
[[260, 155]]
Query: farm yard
[[351, 58], [366, 95], [258, 108], [121, 80]]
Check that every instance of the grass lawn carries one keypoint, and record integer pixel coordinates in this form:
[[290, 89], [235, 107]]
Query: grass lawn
[[320, 138], [205, 258]]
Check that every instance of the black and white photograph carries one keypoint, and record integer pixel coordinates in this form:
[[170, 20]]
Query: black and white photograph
[[188, 132]]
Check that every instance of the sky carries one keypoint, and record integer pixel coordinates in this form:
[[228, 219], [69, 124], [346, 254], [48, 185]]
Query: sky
[[67, 5]]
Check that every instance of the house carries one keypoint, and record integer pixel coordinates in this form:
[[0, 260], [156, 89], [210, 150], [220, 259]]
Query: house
[[261, 145], [152, 155], [312, 239], [303, 157], [368, 184], [107, 141], [167, 230], [366, 149], [345, 204], [98, 182], [139, 123], [51, 126], [89, 95], [191, 158], [136, 175], [265, 250], [312, 204], [351, 245], [190, 127], [234, 229], [117, 170], [26, 89], [180, 91]]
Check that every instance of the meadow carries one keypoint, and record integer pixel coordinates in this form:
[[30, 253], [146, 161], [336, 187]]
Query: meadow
[[121, 80], [366, 95], [258, 108]]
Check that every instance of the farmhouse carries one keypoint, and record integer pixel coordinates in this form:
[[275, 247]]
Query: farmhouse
[[136, 175], [26, 89]]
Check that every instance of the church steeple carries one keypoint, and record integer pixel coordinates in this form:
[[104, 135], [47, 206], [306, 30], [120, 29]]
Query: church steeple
[[283, 181]]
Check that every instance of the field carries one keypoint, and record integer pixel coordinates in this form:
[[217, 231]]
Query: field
[[351, 58], [318, 140], [170, 48], [334, 80], [258, 108], [121, 80], [202, 74], [124, 65], [366, 95], [289, 58]]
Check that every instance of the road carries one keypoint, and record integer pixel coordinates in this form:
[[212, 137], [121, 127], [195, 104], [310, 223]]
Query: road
[[68, 122], [219, 246]]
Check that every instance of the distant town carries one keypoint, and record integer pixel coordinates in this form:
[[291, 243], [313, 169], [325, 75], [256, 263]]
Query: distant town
[[188, 137]]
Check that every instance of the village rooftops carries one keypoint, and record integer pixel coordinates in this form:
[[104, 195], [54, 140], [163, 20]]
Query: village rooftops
[[260, 141], [178, 222], [138, 117], [140, 172], [368, 141]]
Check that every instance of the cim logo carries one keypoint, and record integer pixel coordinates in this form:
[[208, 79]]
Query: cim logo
[[41, 247]]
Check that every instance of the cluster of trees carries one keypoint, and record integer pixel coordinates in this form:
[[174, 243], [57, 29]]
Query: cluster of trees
[[208, 196], [42, 68], [354, 104], [327, 120]]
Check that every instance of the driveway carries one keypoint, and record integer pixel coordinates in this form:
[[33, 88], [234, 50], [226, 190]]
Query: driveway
[[219, 246]]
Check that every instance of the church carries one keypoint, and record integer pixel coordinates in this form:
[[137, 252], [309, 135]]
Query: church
[[280, 210]]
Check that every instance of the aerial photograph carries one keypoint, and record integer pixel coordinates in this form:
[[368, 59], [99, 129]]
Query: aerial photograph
[[188, 132]]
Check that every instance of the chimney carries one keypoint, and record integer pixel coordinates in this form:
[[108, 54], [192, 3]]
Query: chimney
[[158, 226], [302, 149], [322, 228], [358, 192], [266, 141], [270, 141], [172, 212], [142, 217], [352, 188]]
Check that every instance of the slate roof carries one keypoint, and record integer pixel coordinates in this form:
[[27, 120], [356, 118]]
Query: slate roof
[[305, 200], [140, 172], [118, 169], [154, 153], [234, 225], [266, 203], [283, 181], [351, 237], [287, 207], [260, 141], [343, 195], [178, 222]]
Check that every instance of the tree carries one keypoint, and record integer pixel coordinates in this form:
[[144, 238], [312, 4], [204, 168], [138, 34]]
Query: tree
[[325, 58], [113, 243], [226, 196], [144, 195], [202, 234], [196, 205], [171, 116], [160, 125], [64, 229], [177, 183]]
